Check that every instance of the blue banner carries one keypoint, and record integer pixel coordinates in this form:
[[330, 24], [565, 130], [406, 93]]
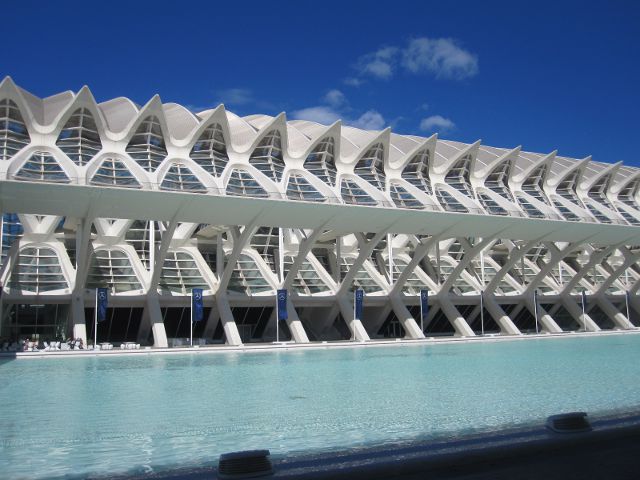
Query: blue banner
[[197, 305], [358, 300], [424, 303], [102, 302], [282, 304]]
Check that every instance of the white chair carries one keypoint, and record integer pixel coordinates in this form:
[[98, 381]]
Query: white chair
[[137, 346], [46, 346]]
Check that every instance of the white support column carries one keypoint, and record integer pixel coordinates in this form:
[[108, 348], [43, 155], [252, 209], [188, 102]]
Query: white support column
[[355, 325], [212, 322], [239, 243], [514, 257], [460, 325], [409, 324], [502, 319], [364, 253], [576, 312], [153, 300], [155, 318], [344, 297], [296, 328], [613, 313], [303, 250], [83, 256], [595, 258], [293, 321], [419, 253], [547, 322], [231, 332]]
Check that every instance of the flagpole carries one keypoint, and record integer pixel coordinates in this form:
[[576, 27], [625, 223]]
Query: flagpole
[[535, 308], [626, 298], [277, 319], [355, 294], [191, 322], [421, 315], [481, 312], [95, 324], [584, 319]]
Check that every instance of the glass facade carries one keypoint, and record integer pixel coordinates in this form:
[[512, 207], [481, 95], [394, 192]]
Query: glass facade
[[180, 178], [37, 270], [114, 173], [371, 167], [147, 146], [267, 157], [13, 131], [210, 150], [42, 166], [79, 138], [321, 161]]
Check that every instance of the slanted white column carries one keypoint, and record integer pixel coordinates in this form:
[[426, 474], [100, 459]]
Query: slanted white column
[[501, 318], [296, 328], [153, 301], [231, 332], [547, 322], [83, 255], [155, 318], [293, 321], [576, 312], [344, 294], [366, 247], [460, 325], [355, 325], [212, 322], [409, 324], [613, 313]]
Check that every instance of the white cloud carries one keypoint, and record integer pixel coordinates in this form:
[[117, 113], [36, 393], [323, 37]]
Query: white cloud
[[335, 98], [436, 123], [370, 120], [320, 114], [379, 64], [235, 96], [440, 56], [336, 107], [353, 81]]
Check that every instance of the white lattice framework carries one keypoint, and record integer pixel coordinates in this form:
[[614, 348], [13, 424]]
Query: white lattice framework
[[392, 214]]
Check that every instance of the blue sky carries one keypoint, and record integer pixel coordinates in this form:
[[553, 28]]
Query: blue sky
[[544, 75]]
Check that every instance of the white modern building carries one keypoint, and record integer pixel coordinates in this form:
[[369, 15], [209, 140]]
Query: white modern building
[[152, 201]]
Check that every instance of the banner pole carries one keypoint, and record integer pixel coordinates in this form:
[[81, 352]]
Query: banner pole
[[584, 320], [421, 316], [481, 313], [535, 308], [626, 298], [277, 319], [95, 324], [191, 322]]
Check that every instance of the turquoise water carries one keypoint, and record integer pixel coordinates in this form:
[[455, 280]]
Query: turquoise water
[[75, 416]]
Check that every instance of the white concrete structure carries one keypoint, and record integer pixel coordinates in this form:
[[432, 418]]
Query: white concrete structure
[[152, 201]]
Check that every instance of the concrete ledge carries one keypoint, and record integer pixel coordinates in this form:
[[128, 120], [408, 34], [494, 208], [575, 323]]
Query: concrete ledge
[[270, 347], [608, 452]]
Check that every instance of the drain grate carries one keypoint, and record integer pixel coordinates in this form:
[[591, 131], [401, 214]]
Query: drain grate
[[247, 464], [573, 422]]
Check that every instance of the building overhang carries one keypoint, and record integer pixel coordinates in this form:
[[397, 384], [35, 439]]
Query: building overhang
[[82, 201]]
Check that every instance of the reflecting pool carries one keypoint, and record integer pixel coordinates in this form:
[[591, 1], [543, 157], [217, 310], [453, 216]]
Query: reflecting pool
[[73, 416]]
